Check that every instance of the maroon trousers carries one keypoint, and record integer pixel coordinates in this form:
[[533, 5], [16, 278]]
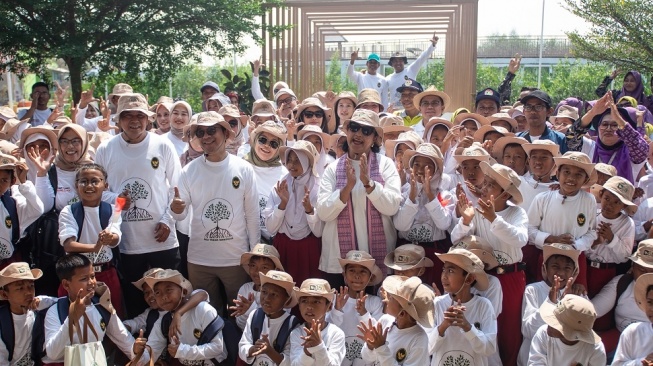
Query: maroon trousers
[[509, 335], [300, 258]]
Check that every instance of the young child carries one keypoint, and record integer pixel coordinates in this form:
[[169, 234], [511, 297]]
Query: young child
[[567, 337], [399, 337], [616, 232], [316, 342], [92, 227], [426, 211], [509, 151], [566, 215], [560, 265], [408, 260], [17, 316], [265, 338], [466, 327], [20, 206], [77, 275], [352, 305], [171, 290], [469, 178], [261, 259], [635, 342]]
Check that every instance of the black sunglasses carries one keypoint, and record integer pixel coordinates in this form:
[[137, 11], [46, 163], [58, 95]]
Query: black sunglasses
[[264, 141], [366, 130], [209, 131], [309, 114], [233, 123]]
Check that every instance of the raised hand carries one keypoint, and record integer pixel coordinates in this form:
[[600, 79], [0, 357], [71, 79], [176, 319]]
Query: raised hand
[[284, 195], [515, 62], [360, 303], [87, 97], [412, 194], [291, 127], [241, 305], [42, 159], [56, 113], [78, 307], [256, 66], [313, 336], [486, 208], [351, 174], [373, 335], [364, 173], [139, 344], [426, 184], [341, 297], [465, 209], [177, 205], [60, 94], [354, 56], [400, 169], [20, 171], [434, 39], [436, 290], [614, 73]]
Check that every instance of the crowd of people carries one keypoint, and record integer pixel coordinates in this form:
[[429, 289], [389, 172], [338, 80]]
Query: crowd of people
[[386, 226]]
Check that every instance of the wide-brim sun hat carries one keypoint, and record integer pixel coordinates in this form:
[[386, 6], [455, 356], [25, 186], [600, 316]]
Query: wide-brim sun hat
[[546, 145], [479, 135], [365, 117], [314, 102], [208, 119], [309, 130], [407, 256], [573, 316], [641, 285], [580, 160], [507, 178], [622, 189], [470, 263], [393, 123], [283, 280], [503, 117], [262, 250], [499, 145], [301, 147], [315, 287], [416, 299], [409, 138], [169, 275], [364, 259], [426, 150], [49, 133], [477, 118], [446, 99], [480, 247]]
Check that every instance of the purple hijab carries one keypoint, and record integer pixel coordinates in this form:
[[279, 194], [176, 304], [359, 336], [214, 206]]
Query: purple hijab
[[617, 155], [638, 93]]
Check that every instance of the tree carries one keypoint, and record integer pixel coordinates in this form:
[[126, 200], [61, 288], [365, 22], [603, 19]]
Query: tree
[[146, 37], [137, 191], [620, 32], [216, 212]]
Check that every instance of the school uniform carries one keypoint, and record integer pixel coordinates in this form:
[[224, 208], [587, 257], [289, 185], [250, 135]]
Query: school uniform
[[643, 214], [546, 351], [634, 345], [602, 260], [102, 260], [348, 320], [245, 290], [271, 327], [474, 346], [194, 320], [266, 179], [407, 347], [28, 207], [534, 296], [140, 322], [23, 325], [331, 352], [66, 191], [494, 294]]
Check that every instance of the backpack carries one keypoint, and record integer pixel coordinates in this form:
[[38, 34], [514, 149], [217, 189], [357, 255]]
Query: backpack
[[77, 209], [287, 327], [152, 317], [10, 205], [230, 337], [7, 330], [63, 306]]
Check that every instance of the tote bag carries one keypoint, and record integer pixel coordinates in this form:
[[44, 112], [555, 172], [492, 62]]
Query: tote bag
[[86, 353]]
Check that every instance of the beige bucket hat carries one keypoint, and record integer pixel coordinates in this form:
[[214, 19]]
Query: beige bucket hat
[[18, 271], [479, 136], [503, 117], [262, 250], [409, 138], [620, 187], [481, 248], [470, 263], [365, 117], [446, 99], [273, 128], [369, 95], [580, 160], [642, 283], [148, 273], [304, 146], [546, 145], [407, 256], [644, 254], [283, 280], [500, 145], [314, 102], [426, 150], [208, 119], [474, 152], [315, 287], [573, 316], [120, 89], [561, 249], [506, 178], [477, 118], [363, 259], [393, 123], [169, 275], [416, 299]]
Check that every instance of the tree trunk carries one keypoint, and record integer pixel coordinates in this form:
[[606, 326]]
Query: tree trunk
[[75, 68]]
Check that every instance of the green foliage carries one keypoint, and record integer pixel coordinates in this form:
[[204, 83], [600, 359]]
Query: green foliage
[[336, 79], [242, 83], [620, 32], [432, 74]]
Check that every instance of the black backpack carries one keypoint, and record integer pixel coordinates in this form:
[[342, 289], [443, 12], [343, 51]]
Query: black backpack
[[230, 337], [287, 327], [7, 330], [10, 205], [152, 317], [63, 306], [77, 209]]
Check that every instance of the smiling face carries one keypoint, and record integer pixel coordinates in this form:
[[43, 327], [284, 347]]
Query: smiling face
[[372, 66], [213, 105], [38, 144], [630, 83], [19, 294], [90, 185], [558, 265], [431, 106], [313, 116], [315, 140], [345, 109], [608, 131], [257, 265], [313, 307], [397, 64], [83, 279], [179, 117], [611, 205], [438, 134], [470, 127], [407, 96], [133, 125], [286, 104], [168, 295], [293, 165], [541, 164], [453, 278], [420, 163], [471, 171], [357, 277], [150, 299], [358, 142], [273, 298], [70, 146], [571, 179], [264, 151], [163, 119], [211, 143]]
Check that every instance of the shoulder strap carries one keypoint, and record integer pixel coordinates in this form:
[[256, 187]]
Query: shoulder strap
[[284, 333], [63, 305], [622, 285], [152, 317], [7, 330], [54, 182], [10, 205], [104, 313], [211, 330], [105, 214], [257, 324], [165, 324], [77, 209]]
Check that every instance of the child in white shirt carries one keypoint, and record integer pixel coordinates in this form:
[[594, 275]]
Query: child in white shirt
[[635, 342]]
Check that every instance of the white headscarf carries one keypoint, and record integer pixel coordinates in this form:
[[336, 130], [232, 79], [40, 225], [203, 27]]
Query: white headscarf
[[295, 224]]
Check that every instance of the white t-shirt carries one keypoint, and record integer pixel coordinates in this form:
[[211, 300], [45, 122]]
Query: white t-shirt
[[348, 320], [90, 230], [331, 352], [225, 211], [395, 80], [28, 207], [366, 80], [271, 327], [406, 347], [634, 345], [180, 146], [626, 312], [621, 246], [149, 169], [547, 351], [266, 178], [494, 293], [424, 220], [38, 118], [530, 188]]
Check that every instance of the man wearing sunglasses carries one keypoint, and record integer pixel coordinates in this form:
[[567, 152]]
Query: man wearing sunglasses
[[221, 190]]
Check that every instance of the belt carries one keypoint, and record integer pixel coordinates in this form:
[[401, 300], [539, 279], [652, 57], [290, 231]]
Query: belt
[[509, 268], [600, 265], [102, 267]]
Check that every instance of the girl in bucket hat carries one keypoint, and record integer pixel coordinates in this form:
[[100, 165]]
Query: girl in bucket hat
[[343, 107], [312, 112], [238, 123], [426, 211], [320, 140], [505, 227], [634, 343], [616, 232], [289, 215]]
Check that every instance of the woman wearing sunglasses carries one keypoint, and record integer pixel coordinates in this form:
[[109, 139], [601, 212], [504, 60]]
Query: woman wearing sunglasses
[[359, 193], [312, 112], [264, 157]]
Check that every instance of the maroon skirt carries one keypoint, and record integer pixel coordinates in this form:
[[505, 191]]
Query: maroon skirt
[[300, 258]]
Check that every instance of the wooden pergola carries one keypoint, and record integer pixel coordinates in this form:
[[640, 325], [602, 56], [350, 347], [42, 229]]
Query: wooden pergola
[[298, 55]]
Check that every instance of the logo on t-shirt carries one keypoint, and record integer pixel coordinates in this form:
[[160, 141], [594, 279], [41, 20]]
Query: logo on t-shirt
[[219, 214], [197, 333], [378, 85], [103, 325], [8, 222], [400, 356], [235, 182], [580, 219], [141, 196], [155, 162]]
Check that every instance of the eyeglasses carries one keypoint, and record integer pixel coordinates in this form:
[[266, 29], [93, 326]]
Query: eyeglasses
[[73, 142], [534, 107], [609, 126], [435, 103], [486, 109], [233, 123], [264, 141], [285, 101], [355, 127], [95, 182], [317, 114], [199, 133]]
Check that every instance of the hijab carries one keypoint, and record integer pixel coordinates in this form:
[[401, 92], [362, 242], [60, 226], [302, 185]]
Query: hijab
[[61, 162], [179, 133], [638, 93], [254, 159], [295, 214]]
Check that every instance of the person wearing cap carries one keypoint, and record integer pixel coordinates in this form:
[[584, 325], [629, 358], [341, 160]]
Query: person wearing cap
[[567, 337], [560, 266], [237, 122], [143, 168], [369, 79], [289, 215], [265, 158], [426, 211], [225, 212], [468, 175], [180, 113], [316, 342], [286, 102], [172, 291], [11, 128], [261, 259], [618, 143], [488, 102], [320, 141], [400, 338], [635, 342], [505, 227], [408, 260], [616, 232], [403, 71], [352, 305], [277, 294], [343, 107], [209, 89], [508, 151], [537, 107], [358, 195], [38, 112], [77, 276], [465, 325], [407, 91]]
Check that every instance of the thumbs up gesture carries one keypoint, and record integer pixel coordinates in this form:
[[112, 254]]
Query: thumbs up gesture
[[139, 344], [178, 205]]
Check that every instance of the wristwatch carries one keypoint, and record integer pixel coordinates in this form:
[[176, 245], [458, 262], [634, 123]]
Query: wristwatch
[[369, 184]]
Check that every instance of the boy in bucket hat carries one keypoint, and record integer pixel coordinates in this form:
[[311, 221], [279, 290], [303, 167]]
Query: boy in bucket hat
[[399, 338], [466, 327], [316, 341], [408, 260], [370, 79], [635, 342], [567, 337]]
